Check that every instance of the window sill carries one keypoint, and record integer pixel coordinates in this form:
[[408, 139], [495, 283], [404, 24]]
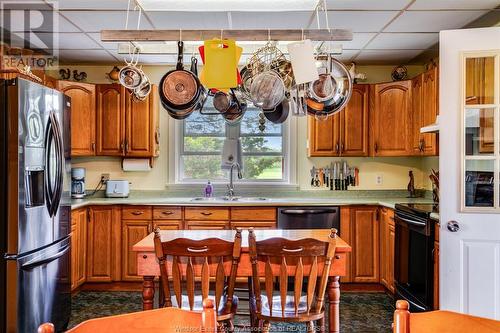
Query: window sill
[[243, 186]]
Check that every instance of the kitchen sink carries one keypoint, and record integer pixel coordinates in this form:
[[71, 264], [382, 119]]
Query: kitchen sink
[[240, 199]]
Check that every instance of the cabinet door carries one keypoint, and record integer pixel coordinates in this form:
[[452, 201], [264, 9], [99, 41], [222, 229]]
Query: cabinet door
[[430, 105], [103, 246], [417, 144], [365, 244], [74, 257], [141, 127], [81, 227], [387, 233], [391, 241], [324, 136], [253, 224], [391, 119], [83, 116], [110, 119], [132, 232], [354, 123], [207, 225]]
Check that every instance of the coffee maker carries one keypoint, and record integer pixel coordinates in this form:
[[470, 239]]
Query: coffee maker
[[78, 183]]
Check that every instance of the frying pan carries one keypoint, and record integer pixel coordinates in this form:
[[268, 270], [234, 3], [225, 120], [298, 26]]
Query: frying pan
[[280, 113], [180, 89]]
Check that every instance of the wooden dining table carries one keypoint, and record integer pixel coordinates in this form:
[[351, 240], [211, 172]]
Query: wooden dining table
[[148, 268]]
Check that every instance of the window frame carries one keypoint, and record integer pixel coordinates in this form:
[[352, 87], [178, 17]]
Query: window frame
[[288, 155]]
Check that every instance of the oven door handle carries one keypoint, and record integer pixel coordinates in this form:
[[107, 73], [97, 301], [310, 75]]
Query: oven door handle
[[34, 263], [420, 224]]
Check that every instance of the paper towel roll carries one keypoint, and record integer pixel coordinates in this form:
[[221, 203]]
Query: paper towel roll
[[136, 164]]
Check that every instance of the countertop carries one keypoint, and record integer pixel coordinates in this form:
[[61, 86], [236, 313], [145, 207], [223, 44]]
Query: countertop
[[383, 198]]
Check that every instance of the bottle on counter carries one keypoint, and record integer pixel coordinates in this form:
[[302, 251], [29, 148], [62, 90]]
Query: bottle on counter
[[209, 190]]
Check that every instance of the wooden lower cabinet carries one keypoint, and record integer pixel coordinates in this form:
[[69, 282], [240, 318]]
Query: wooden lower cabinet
[[387, 246], [253, 224], [206, 225], [132, 232], [78, 247], [364, 239], [104, 244], [168, 224]]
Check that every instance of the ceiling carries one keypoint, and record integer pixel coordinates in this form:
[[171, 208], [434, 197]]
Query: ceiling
[[384, 31]]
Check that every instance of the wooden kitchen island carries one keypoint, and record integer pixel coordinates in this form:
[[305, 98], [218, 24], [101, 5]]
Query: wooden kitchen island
[[148, 268]]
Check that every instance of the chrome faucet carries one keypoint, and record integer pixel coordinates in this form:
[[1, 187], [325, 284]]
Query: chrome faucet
[[230, 187]]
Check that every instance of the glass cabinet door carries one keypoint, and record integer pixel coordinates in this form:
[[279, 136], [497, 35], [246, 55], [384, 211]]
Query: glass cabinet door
[[480, 144]]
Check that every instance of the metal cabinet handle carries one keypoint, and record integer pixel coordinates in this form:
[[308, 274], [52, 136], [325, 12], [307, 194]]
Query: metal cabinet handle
[[453, 226], [137, 212], [206, 213], [421, 145], [92, 145], [342, 147], [122, 147], [337, 147], [168, 212], [376, 147]]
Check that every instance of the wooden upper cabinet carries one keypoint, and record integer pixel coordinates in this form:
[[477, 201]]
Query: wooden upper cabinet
[[417, 110], [346, 132], [110, 119], [324, 136], [354, 123], [424, 96], [142, 135], [83, 116], [430, 109], [391, 119]]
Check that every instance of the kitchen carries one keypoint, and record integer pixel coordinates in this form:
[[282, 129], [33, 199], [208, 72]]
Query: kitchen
[[286, 158]]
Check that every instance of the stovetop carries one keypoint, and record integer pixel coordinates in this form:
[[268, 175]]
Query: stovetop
[[418, 209]]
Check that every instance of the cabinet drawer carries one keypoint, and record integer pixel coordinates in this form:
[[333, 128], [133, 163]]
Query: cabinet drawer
[[167, 213], [137, 213], [207, 225], [253, 213], [253, 224], [206, 213]]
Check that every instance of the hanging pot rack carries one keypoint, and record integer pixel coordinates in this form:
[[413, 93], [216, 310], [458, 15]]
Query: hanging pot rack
[[239, 35]]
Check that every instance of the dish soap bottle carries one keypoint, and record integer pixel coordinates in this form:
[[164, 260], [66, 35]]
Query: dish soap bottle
[[209, 189]]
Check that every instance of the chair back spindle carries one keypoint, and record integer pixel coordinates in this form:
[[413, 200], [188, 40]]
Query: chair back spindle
[[198, 262], [289, 260]]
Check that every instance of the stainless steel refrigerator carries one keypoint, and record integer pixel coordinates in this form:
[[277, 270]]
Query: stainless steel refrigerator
[[35, 278]]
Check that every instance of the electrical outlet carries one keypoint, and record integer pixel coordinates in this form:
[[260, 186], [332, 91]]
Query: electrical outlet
[[104, 177], [379, 179]]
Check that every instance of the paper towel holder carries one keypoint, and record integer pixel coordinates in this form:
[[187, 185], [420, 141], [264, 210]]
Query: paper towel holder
[[150, 159]]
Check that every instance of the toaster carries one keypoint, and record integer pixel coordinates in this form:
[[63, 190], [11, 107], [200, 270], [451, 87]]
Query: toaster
[[117, 188]]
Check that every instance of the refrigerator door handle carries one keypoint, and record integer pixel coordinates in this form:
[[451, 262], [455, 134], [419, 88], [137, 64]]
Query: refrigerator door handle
[[53, 193], [34, 263]]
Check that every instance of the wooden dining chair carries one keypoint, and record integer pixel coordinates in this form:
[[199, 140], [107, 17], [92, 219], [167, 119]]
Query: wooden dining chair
[[439, 322], [166, 320], [191, 263], [290, 260]]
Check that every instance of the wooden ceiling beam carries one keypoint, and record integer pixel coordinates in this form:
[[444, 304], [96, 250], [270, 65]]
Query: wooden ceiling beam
[[240, 35]]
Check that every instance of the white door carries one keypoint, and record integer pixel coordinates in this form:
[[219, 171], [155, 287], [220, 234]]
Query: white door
[[469, 165]]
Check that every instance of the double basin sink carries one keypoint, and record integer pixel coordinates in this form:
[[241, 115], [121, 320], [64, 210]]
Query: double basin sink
[[229, 199]]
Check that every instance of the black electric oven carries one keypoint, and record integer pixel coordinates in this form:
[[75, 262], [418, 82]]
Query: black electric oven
[[413, 269]]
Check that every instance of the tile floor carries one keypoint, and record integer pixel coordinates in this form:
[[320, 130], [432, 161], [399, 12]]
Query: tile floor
[[359, 312]]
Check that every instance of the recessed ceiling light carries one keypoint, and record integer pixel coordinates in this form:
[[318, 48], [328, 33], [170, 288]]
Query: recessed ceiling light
[[228, 5]]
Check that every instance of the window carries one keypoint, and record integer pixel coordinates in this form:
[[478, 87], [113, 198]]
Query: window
[[201, 140]]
